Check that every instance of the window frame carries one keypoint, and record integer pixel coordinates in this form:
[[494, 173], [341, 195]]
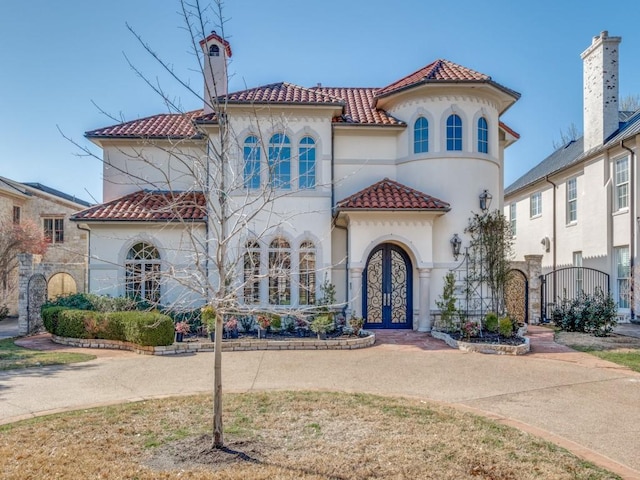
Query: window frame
[[307, 277], [251, 273], [535, 205], [513, 219], [53, 228], [251, 162], [17, 214], [622, 270], [483, 135], [578, 278], [279, 278], [280, 161], [621, 184], [307, 163], [572, 200], [421, 135], [454, 133], [142, 272]]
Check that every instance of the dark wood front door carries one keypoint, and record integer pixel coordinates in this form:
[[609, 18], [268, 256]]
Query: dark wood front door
[[386, 285]]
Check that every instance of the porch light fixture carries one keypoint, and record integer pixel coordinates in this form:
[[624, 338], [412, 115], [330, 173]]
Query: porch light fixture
[[456, 243], [485, 200]]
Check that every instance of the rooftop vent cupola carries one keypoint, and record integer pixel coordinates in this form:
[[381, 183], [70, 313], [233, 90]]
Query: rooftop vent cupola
[[216, 51], [600, 89]]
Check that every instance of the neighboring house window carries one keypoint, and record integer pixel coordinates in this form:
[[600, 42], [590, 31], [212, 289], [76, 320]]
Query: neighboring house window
[[307, 283], [483, 135], [214, 51], [142, 273], [454, 133], [622, 183], [280, 161], [279, 272], [623, 272], [512, 218], [16, 215], [251, 155], [54, 230], [572, 200], [421, 136], [307, 163], [536, 204], [577, 262], [252, 273]]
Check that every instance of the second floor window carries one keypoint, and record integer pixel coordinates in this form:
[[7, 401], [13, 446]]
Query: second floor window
[[421, 136], [572, 200], [16, 215], [251, 157], [512, 219], [483, 135], [280, 161], [454, 133], [535, 205], [307, 163], [54, 230], [622, 183]]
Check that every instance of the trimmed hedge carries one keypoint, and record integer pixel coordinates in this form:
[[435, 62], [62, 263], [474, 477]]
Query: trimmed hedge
[[142, 328]]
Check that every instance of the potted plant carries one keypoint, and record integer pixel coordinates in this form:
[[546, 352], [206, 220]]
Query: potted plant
[[231, 327], [209, 317], [321, 325], [356, 324], [182, 328], [264, 322], [302, 327]]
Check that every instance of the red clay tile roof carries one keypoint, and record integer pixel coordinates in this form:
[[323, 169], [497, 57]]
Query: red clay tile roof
[[392, 195], [358, 108], [147, 206], [283, 92], [167, 125], [215, 36], [508, 129], [440, 71]]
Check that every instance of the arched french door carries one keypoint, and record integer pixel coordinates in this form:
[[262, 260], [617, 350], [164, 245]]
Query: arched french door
[[387, 288]]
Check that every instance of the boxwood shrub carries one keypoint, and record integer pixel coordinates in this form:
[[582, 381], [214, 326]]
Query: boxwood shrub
[[142, 328]]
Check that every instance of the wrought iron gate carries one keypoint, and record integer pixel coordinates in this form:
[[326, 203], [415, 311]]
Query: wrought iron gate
[[36, 296], [567, 284]]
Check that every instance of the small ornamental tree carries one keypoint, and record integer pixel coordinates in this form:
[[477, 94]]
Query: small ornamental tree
[[446, 302]]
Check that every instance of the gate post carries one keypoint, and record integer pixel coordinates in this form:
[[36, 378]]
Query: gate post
[[25, 270], [534, 270]]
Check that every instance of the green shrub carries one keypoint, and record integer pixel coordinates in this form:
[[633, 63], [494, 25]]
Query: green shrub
[[505, 327], [321, 324], [276, 322], [491, 322], [71, 323], [4, 312], [90, 301], [588, 313], [50, 318], [148, 328]]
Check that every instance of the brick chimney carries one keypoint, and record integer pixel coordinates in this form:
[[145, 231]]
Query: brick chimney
[[600, 89]]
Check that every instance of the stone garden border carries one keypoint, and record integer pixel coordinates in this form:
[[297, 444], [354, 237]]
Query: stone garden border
[[499, 349], [227, 346]]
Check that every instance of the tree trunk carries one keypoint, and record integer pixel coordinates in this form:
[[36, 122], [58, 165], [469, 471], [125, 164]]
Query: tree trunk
[[218, 434]]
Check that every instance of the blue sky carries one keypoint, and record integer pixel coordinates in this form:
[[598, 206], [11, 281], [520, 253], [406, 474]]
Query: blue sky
[[61, 59]]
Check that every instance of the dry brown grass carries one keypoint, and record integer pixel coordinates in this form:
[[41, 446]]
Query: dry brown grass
[[587, 341], [281, 436]]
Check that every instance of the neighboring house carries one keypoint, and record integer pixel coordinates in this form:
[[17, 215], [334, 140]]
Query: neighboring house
[[65, 261], [376, 180], [578, 206]]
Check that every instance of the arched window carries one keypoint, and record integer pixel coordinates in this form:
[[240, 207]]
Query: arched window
[[280, 161], [214, 51], [307, 284], [142, 271], [483, 135], [421, 136], [251, 155], [60, 284], [252, 273], [280, 272], [307, 163], [454, 132]]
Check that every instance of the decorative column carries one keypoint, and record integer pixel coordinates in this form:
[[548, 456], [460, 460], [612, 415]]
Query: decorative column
[[534, 270], [355, 291], [424, 300]]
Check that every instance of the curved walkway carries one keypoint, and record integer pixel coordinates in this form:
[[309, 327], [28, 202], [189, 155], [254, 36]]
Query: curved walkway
[[587, 405]]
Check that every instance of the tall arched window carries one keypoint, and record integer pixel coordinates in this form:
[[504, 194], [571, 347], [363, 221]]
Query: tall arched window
[[251, 155], [307, 265], [142, 272], [483, 135], [252, 273], [279, 272], [307, 163], [280, 161], [421, 135], [454, 133]]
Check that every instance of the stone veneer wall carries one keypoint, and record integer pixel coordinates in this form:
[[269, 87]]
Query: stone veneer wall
[[532, 268]]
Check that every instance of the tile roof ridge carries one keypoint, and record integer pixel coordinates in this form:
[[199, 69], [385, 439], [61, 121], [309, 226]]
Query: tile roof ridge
[[191, 113]]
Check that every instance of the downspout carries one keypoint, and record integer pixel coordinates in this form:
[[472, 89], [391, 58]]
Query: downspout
[[632, 236], [553, 232], [85, 227]]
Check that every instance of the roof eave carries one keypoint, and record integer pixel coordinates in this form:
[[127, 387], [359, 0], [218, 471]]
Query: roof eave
[[370, 125], [432, 210], [121, 220]]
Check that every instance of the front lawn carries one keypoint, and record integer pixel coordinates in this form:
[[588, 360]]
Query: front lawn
[[615, 348], [13, 357]]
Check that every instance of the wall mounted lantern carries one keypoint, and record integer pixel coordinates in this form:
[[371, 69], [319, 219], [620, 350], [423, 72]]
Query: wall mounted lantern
[[456, 243], [485, 200]]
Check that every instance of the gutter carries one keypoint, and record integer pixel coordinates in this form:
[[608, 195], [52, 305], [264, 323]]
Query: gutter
[[632, 236]]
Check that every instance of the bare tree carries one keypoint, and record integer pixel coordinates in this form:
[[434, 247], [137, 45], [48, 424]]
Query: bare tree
[[630, 103], [219, 196], [570, 134]]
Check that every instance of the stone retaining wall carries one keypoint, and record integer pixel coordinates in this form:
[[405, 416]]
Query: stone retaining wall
[[227, 345], [483, 347]]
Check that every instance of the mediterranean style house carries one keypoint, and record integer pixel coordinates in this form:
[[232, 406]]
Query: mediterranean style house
[[64, 264], [578, 207], [360, 188]]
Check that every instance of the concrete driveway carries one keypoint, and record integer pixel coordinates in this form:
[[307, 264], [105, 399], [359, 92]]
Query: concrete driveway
[[587, 405]]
